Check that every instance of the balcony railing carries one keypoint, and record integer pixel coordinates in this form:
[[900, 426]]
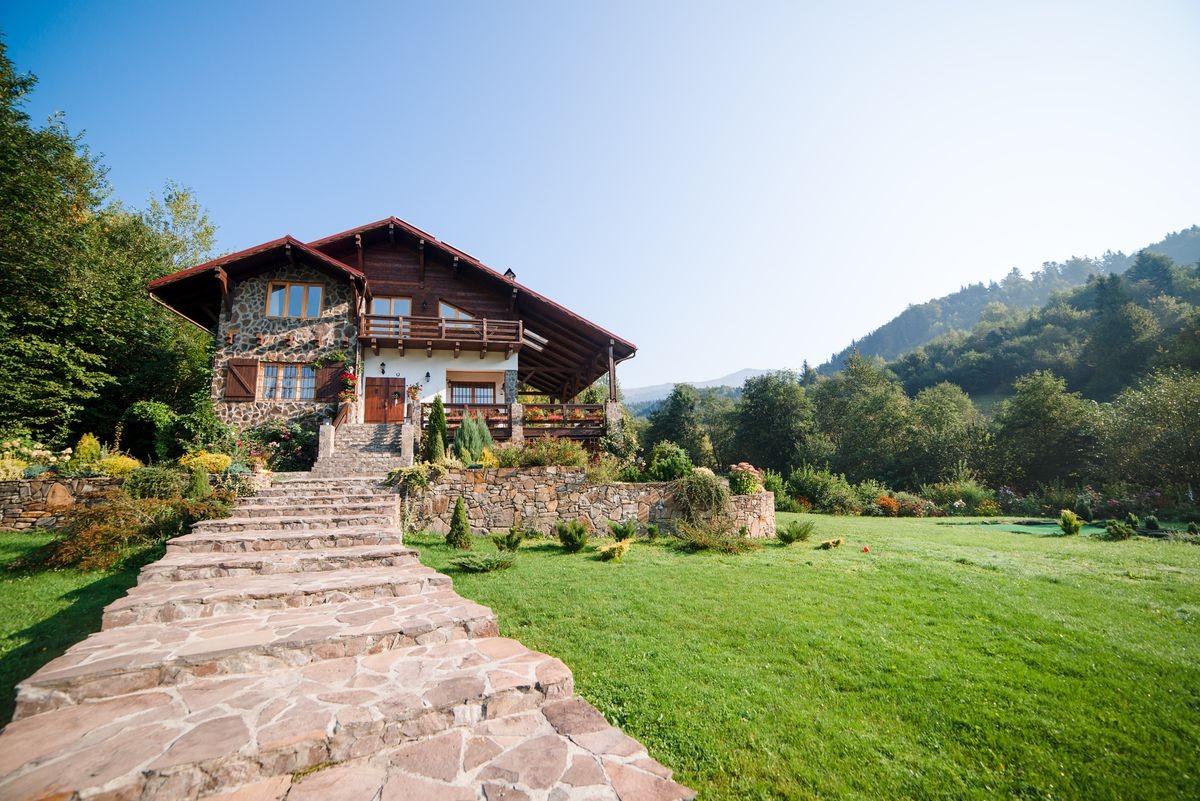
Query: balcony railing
[[439, 332], [571, 420], [498, 417]]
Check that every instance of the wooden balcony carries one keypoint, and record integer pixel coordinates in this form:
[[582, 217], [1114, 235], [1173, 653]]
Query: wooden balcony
[[430, 333]]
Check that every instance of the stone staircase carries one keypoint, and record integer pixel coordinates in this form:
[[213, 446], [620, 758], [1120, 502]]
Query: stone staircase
[[365, 449], [298, 650]]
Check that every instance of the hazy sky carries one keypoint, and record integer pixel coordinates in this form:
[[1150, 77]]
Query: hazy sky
[[732, 185]]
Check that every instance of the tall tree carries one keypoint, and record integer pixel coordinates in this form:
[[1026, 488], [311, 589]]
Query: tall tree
[[678, 420], [775, 423], [1151, 432], [1044, 433]]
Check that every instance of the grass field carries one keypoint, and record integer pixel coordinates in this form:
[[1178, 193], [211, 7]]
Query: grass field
[[950, 662], [44, 613]]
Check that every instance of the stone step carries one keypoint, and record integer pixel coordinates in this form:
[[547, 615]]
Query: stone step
[[293, 507], [317, 501], [194, 566], [296, 522], [283, 540], [221, 733], [168, 601], [562, 750], [125, 659]]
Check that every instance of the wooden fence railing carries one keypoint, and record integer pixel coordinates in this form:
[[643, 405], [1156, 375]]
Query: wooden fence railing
[[571, 420], [439, 329]]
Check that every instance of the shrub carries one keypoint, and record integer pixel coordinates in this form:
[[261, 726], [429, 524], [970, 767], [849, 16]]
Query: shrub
[[1132, 521], [459, 535], [488, 457], [35, 470], [208, 462], [96, 536], [283, 446], [154, 482], [651, 531], [12, 469], [508, 455], [118, 465], [961, 497], [1152, 523], [631, 472], [825, 491], [614, 551], [915, 506], [623, 531], [553, 451], [198, 486], [868, 492], [796, 531], [889, 506], [87, 449], [745, 479], [235, 482], [573, 534], [1117, 530], [987, 508], [713, 535], [1084, 510], [829, 545], [484, 562], [605, 469], [1070, 523], [408, 480], [472, 438], [1193, 528], [667, 462], [510, 540], [699, 496], [434, 447]]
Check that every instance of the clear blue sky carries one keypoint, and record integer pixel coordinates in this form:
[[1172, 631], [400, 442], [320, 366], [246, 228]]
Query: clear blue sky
[[727, 185]]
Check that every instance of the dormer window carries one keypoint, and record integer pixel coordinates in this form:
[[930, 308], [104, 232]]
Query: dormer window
[[294, 300]]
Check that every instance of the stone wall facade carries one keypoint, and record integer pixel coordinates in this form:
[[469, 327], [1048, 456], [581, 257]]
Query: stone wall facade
[[38, 503], [497, 498], [250, 334]]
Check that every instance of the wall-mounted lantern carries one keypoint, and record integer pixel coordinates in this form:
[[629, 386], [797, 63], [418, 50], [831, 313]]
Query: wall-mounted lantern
[[383, 368]]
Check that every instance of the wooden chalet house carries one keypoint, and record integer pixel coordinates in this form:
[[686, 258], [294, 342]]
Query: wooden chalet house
[[413, 317]]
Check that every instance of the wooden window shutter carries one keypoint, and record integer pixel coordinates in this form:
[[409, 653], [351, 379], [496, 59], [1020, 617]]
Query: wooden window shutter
[[241, 379], [329, 382]]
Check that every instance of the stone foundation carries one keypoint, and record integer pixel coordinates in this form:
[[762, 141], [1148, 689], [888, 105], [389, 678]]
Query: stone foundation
[[496, 498], [40, 503]]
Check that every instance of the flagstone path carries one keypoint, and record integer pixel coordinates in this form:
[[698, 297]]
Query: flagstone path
[[298, 650]]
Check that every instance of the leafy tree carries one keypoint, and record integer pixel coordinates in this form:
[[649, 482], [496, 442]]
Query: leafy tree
[[1044, 433], [946, 430], [677, 420], [775, 425], [865, 414], [1151, 432]]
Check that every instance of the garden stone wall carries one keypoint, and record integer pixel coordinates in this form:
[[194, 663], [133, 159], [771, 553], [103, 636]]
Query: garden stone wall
[[497, 498], [38, 503]]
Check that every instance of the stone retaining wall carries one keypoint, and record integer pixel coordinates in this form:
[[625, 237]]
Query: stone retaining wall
[[541, 496], [40, 503]]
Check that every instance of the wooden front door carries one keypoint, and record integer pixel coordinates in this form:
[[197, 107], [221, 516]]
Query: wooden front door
[[384, 400]]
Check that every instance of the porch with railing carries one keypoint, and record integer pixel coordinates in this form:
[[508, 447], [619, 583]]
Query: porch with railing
[[582, 421]]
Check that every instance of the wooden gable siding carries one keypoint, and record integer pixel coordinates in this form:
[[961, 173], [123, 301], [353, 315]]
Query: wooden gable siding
[[395, 270]]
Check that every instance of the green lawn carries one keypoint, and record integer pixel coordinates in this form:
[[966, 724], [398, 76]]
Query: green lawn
[[951, 661], [44, 613]]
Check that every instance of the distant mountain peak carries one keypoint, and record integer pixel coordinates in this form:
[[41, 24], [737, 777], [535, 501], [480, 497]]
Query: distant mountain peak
[[660, 391]]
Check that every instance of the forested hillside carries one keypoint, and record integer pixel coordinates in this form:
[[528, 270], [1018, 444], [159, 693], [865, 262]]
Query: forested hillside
[[1101, 337], [961, 310]]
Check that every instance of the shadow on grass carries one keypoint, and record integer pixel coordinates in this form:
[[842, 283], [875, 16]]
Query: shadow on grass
[[51, 636]]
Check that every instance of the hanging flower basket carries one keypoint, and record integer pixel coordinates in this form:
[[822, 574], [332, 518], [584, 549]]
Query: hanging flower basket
[[349, 392]]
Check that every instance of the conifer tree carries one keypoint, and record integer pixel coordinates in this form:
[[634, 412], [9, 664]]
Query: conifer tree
[[435, 437], [459, 535]]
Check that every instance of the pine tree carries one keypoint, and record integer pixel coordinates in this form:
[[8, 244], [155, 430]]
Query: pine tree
[[435, 437], [459, 535]]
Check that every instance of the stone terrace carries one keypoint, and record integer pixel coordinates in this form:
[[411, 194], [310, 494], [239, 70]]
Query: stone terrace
[[299, 651]]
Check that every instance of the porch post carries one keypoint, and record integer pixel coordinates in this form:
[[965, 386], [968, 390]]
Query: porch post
[[516, 420], [612, 373]]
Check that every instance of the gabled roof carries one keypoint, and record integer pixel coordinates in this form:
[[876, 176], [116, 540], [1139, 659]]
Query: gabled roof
[[195, 293], [570, 353], [348, 236]]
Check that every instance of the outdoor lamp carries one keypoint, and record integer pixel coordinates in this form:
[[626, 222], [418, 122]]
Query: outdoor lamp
[[428, 377], [383, 368]]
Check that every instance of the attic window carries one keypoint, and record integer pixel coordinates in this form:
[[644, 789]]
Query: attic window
[[449, 312], [294, 300]]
